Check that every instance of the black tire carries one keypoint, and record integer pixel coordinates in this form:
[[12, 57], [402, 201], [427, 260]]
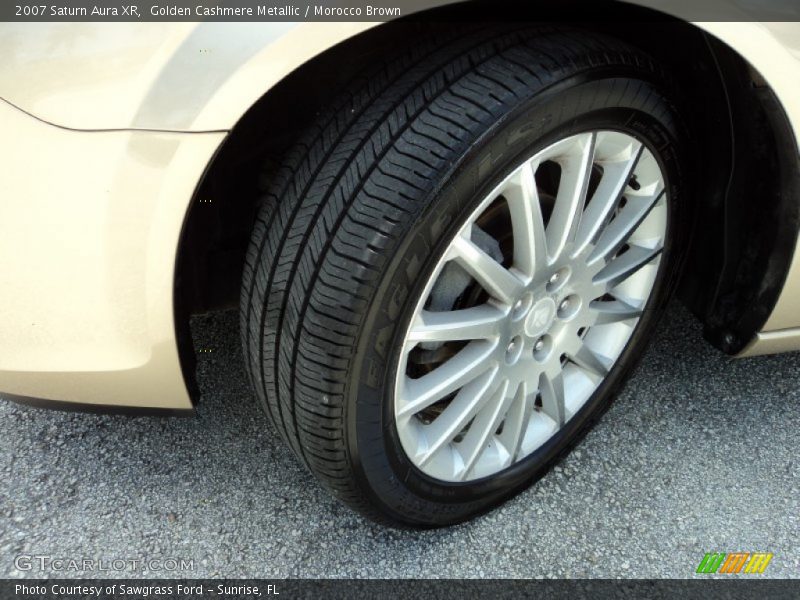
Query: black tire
[[360, 212]]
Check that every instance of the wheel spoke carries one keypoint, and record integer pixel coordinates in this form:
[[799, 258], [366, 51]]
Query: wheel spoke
[[614, 311], [418, 394], [606, 197], [469, 400], [517, 419], [571, 197], [483, 427], [551, 390], [623, 226], [478, 322], [622, 267], [493, 277], [588, 360], [528, 309], [527, 222]]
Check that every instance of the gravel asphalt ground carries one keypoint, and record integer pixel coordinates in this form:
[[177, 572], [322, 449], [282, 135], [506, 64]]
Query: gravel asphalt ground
[[698, 454]]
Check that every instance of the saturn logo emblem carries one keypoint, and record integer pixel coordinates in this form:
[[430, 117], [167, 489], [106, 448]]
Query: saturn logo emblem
[[540, 318]]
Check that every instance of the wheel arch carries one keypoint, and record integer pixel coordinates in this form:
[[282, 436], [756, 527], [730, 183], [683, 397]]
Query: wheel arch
[[731, 297]]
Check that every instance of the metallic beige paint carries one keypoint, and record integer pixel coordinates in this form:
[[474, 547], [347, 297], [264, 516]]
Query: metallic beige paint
[[90, 223], [772, 342], [91, 220], [166, 76]]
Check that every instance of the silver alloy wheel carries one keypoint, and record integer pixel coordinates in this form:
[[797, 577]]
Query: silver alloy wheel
[[545, 320]]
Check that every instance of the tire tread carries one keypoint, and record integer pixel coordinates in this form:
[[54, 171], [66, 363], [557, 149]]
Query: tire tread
[[345, 195]]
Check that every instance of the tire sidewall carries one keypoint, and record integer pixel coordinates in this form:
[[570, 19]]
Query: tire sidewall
[[583, 103]]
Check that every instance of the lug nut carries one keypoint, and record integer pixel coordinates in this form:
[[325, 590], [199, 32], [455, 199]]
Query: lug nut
[[564, 305], [538, 345], [554, 277]]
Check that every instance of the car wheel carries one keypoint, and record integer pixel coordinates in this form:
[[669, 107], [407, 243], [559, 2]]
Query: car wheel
[[458, 265]]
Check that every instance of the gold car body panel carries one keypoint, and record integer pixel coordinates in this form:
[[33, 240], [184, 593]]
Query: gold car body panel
[[90, 223], [100, 159], [164, 76], [772, 342]]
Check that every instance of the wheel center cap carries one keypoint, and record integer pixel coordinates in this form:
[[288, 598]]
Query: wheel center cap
[[540, 318]]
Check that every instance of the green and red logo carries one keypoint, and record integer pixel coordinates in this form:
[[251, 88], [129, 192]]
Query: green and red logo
[[734, 562]]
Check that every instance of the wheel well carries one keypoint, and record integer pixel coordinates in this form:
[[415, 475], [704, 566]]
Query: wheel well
[[740, 253]]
